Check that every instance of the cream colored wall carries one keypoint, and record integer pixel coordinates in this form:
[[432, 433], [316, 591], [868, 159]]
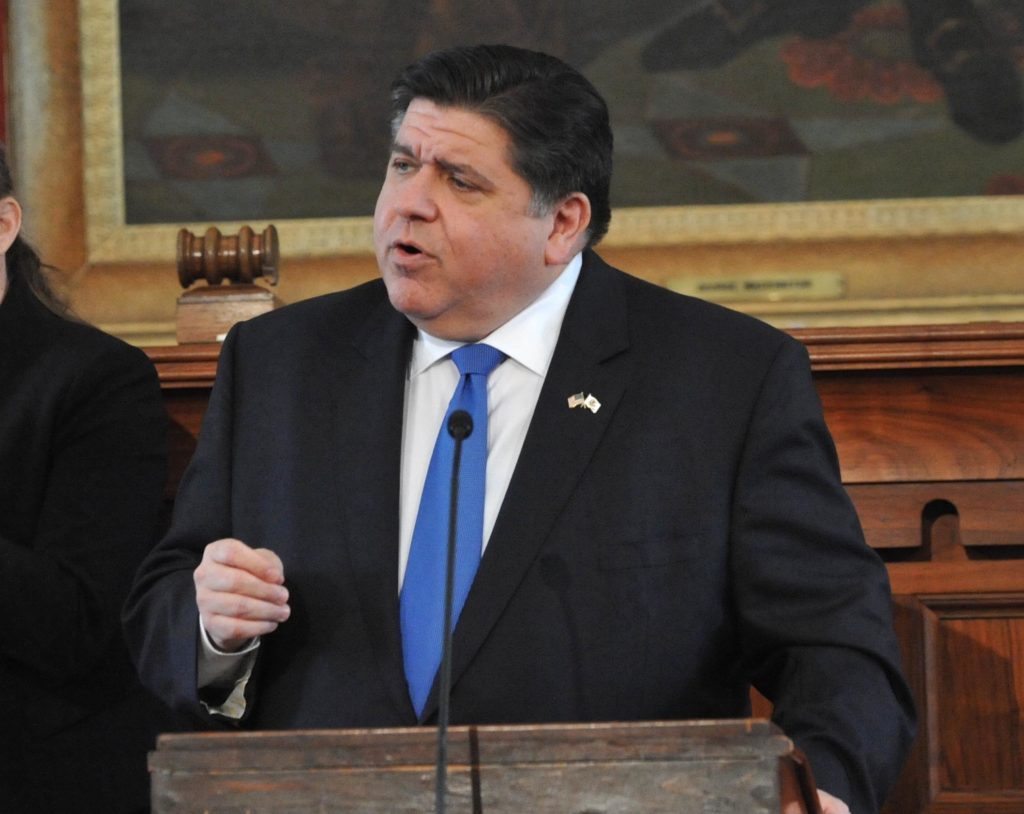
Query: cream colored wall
[[904, 278]]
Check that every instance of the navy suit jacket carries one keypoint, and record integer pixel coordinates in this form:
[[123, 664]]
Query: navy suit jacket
[[650, 559]]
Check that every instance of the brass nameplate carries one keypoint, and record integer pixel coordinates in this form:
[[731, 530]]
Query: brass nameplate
[[823, 285]]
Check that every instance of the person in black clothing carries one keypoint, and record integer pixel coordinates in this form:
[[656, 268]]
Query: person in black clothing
[[82, 472]]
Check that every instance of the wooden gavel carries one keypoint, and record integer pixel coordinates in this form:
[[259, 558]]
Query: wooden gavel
[[215, 257]]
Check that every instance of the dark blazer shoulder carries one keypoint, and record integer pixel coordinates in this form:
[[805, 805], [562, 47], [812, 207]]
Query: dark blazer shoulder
[[32, 334], [658, 315], [296, 346], [345, 310]]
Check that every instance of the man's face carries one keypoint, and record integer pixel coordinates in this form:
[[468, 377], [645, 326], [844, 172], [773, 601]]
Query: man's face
[[457, 245]]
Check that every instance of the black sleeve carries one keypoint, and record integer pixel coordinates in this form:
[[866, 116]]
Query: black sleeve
[[104, 471], [160, 617], [814, 599]]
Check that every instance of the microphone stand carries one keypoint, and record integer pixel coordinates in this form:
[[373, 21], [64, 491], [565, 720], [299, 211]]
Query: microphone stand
[[460, 426]]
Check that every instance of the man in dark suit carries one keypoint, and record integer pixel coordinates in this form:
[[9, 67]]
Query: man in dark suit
[[663, 522]]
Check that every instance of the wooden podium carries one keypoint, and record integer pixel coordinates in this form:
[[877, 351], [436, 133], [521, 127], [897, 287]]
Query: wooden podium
[[696, 767]]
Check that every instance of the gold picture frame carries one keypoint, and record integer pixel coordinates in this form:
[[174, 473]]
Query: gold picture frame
[[111, 240], [879, 262]]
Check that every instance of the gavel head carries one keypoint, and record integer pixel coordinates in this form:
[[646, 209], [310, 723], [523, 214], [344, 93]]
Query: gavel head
[[215, 257]]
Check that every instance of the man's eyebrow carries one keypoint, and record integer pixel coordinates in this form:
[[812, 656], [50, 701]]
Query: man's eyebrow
[[464, 170], [450, 167], [402, 149]]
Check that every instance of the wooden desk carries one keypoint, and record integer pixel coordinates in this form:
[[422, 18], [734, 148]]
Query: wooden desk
[[929, 425]]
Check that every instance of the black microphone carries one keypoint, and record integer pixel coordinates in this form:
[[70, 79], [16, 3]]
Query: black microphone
[[460, 426]]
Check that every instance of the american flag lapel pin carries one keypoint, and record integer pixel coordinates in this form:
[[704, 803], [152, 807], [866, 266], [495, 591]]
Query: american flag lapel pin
[[586, 401]]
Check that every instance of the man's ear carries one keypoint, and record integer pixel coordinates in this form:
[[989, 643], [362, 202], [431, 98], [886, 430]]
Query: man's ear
[[10, 222], [569, 229]]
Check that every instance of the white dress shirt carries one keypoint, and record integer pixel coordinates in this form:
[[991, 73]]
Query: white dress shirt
[[528, 341]]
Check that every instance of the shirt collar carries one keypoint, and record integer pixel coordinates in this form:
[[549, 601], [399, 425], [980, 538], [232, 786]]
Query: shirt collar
[[529, 337]]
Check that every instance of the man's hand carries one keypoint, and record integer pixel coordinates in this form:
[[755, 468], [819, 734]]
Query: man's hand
[[829, 804], [240, 593]]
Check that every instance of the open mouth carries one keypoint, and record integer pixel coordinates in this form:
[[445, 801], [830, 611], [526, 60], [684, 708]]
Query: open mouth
[[408, 248]]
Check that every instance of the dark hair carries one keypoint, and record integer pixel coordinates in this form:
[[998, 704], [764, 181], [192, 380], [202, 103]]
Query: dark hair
[[22, 260], [556, 119]]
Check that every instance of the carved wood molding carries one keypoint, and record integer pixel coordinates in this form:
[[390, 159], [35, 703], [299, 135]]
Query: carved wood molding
[[960, 652], [990, 344], [965, 578], [995, 344], [181, 366]]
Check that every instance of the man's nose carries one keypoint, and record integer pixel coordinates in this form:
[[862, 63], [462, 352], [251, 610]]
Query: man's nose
[[415, 196]]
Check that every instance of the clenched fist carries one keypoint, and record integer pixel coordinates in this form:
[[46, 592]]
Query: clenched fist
[[240, 593]]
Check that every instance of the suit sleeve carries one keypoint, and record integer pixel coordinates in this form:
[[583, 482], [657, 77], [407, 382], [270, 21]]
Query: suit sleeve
[[161, 620], [813, 599], [61, 590]]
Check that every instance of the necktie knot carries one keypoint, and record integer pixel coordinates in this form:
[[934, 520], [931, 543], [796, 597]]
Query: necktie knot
[[477, 359]]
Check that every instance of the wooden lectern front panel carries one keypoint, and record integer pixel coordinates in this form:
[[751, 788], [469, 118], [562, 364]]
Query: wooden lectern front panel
[[697, 767]]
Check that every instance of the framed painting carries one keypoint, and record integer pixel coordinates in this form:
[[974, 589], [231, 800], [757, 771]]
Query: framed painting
[[735, 120], [3, 70]]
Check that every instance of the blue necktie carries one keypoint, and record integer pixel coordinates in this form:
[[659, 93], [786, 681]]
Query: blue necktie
[[422, 600]]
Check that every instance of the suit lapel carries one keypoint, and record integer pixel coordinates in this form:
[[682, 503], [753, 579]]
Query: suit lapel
[[370, 400], [590, 357]]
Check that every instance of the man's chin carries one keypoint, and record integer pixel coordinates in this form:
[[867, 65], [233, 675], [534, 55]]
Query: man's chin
[[405, 301], [411, 307]]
